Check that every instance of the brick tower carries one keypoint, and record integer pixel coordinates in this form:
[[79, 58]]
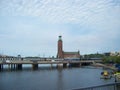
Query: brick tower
[[60, 48]]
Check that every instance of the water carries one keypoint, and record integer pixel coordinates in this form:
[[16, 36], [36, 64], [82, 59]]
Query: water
[[51, 79]]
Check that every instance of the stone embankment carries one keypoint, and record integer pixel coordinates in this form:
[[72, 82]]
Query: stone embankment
[[105, 66]]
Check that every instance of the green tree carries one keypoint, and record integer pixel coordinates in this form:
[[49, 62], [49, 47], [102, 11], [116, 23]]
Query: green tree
[[111, 59]]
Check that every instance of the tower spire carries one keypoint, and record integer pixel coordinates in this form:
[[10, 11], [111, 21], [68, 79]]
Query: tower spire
[[60, 37]]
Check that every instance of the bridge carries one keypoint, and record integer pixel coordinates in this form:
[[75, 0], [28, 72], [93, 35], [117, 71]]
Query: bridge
[[17, 64]]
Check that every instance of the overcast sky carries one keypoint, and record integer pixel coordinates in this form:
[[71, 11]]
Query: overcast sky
[[32, 27]]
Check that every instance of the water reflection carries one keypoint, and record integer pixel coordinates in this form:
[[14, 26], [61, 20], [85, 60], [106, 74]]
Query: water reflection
[[60, 83]]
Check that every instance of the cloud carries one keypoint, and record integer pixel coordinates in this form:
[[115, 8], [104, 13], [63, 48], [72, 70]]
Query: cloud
[[89, 24], [59, 11], [88, 13]]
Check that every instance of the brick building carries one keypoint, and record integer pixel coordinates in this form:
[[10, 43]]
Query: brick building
[[62, 54]]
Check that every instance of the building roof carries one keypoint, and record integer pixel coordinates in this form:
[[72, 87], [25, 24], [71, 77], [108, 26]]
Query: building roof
[[71, 52]]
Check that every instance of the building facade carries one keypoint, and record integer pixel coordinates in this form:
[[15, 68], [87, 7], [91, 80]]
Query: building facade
[[62, 54]]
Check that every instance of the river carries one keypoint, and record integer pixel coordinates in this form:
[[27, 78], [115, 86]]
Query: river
[[46, 78]]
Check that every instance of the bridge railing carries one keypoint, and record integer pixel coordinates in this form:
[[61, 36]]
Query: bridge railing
[[112, 86]]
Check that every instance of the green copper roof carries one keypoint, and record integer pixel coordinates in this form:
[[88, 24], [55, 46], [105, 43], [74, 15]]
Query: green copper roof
[[60, 37]]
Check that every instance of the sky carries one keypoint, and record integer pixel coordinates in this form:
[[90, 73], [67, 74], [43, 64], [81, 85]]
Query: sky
[[32, 27]]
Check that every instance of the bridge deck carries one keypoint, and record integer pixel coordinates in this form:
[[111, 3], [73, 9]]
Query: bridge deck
[[48, 62]]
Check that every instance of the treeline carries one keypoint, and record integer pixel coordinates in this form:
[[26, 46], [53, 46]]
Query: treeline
[[111, 59], [94, 55], [106, 59]]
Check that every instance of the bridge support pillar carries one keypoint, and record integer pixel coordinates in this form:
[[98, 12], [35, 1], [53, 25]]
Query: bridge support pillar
[[0, 67], [19, 66], [51, 66], [34, 66], [14, 66], [60, 65], [65, 65], [75, 64], [79, 64], [9, 66]]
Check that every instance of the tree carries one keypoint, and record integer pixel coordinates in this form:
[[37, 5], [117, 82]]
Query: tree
[[111, 59]]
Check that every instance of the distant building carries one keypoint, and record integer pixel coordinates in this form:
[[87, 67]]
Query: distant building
[[112, 54], [107, 54], [62, 54], [5, 57], [118, 53]]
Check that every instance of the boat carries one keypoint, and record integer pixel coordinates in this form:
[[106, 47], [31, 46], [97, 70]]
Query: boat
[[105, 75]]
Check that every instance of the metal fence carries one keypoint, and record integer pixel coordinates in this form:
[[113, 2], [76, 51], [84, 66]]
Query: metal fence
[[112, 86]]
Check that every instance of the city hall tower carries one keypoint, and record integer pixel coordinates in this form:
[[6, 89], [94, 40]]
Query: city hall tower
[[60, 48], [65, 55]]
